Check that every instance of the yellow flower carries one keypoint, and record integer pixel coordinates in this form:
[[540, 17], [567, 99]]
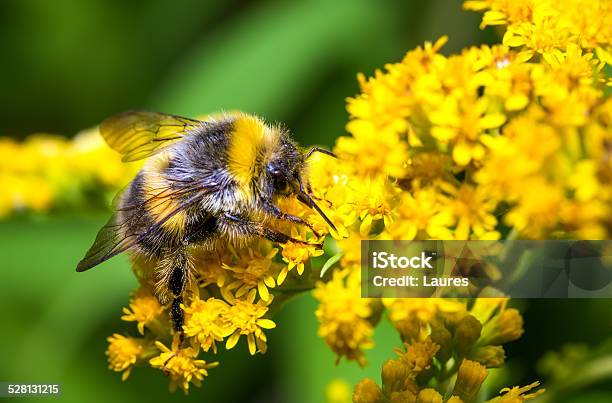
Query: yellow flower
[[516, 394], [207, 322], [545, 26], [472, 208], [91, 159], [503, 11], [425, 309], [123, 352], [252, 269], [46, 171], [181, 365], [418, 355], [247, 318], [421, 215], [296, 254], [343, 315], [425, 168], [537, 211], [463, 122], [144, 309], [209, 266], [374, 200], [370, 151]]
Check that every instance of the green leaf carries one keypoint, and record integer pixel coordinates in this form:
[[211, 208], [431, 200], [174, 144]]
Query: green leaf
[[330, 262]]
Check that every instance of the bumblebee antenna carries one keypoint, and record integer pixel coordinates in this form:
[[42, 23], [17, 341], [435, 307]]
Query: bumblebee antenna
[[321, 150], [307, 200]]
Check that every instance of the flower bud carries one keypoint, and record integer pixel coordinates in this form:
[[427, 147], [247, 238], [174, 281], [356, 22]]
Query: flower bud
[[469, 378], [367, 391], [489, 356], [466, 334], [508, 326], [402, 397], [443, 338], [454, 399], [484, 308], [409, 329], [394, 373], [429, 396]]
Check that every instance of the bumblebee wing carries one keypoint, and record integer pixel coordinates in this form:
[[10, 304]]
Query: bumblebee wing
[[140, 134], [109, 242], [124, 231]]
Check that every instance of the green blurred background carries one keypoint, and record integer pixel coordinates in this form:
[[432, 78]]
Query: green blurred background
[[67, 65]]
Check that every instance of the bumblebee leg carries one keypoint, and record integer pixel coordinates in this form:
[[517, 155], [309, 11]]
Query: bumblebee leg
[[276, 212], [176, 285], [247, 227]]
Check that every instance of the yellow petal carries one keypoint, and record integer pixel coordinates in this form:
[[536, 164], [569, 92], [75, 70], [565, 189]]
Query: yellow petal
[[263, 291], [604, 55], [266, 323], [126, 374], [366, 225], [462, 154], [232, 340], [443, 133], [492, 120], [269, 281], [282, 276], [251, 296], [524, 56], [251, 342], [516, 102], [512, 40]]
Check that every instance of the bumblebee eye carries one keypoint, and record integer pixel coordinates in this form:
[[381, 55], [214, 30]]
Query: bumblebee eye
[[280, 183], [279, 180]]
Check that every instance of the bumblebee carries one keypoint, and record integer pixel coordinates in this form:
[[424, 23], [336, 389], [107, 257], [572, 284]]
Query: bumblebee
[[203, 182]]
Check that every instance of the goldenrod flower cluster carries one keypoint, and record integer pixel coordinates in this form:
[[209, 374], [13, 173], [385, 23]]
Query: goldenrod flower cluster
[[510, 140], [447, 347], [235, 289], [46, 172]]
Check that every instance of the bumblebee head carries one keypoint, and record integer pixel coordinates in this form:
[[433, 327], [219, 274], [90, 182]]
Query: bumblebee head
[[284, 173], [284, 167]]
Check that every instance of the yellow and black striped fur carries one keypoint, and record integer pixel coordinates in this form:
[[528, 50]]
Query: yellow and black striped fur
[[203, 182]]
